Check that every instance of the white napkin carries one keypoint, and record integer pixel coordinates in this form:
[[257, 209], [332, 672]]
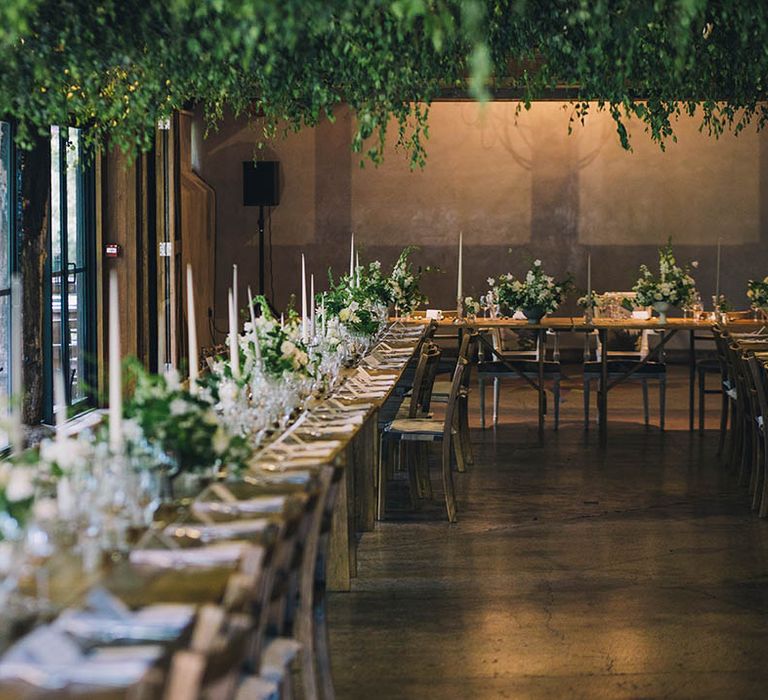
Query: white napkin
[[261, 504], [220, 554], [231, 530]]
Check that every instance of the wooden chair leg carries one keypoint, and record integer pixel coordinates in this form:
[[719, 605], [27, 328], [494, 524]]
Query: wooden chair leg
[[496, 390], [481, 391], [586, 403], [764, 500], [662, 403], [461, 465], [646, 415], [466, 442], [757, 471], [746, 451], [422, 467], [450, 495], [702, 400], [723, 423], [381, 481]]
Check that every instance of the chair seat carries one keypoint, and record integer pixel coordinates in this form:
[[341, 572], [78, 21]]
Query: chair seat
[[527, 367], [441, 388], [416, 426], [624, 366]]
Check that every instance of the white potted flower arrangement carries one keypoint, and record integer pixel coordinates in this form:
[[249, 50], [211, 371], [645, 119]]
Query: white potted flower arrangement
[[183, 424], [757, 292], [537, 295], [404, 284], [674, 285]]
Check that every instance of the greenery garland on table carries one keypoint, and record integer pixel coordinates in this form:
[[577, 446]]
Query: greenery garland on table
[[118, 67]]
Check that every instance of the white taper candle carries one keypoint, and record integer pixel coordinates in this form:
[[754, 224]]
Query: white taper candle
[[192, 330], [352, 259], [312, 328], [234, 296], [303, 299], [60, 404], [234, 357], [252, 313], [717, 275], [460, 274]]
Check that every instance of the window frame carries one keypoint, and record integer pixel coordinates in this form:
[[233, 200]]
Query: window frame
[[86, 222], [13, 218]]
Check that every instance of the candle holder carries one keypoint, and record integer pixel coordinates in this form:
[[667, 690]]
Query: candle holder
[[459, 307]]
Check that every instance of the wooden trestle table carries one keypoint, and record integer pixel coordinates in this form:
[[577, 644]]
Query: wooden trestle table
[[578, 324]]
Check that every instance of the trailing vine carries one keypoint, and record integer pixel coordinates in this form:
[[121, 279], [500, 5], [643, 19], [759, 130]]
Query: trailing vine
[[118, 67]]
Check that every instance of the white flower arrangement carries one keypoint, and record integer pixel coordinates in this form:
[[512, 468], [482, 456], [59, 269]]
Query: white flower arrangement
[[757, 293], [674, 284], [17, 492], [537, 293]]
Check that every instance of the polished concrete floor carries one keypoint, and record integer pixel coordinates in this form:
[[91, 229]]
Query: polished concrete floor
[[637, 571]]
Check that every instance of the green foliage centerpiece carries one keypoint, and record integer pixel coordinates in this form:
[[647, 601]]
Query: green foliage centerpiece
[[674, 285], [404, 284], [757, 292], [536, 296]]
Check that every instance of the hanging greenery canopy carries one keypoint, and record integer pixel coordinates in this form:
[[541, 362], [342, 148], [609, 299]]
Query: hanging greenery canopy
[[118, 67]]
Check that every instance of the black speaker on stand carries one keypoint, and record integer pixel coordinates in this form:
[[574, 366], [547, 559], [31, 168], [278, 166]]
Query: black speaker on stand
[[261, 188]]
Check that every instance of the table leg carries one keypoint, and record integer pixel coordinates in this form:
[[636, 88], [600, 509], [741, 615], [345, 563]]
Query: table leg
[[602, 393], [542, 394], [691, 379]]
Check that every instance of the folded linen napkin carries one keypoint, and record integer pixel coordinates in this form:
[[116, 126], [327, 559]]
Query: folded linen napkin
[[219, 554]]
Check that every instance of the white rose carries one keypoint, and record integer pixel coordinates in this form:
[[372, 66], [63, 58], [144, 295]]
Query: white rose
[[287, 348], [344, 315], [537, 263], [178, 407], [132, 430], [45, 509], [220, 441], [172, 380], [20, 485]]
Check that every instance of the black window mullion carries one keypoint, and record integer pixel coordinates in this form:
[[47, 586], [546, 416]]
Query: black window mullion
[[64, 267]]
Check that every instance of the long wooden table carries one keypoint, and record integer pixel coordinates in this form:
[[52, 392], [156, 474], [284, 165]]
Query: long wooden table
[[601, 326]]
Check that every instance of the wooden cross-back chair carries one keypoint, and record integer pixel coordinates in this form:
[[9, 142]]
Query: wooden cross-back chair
[[635, 348], [517, 363], [429, 430]]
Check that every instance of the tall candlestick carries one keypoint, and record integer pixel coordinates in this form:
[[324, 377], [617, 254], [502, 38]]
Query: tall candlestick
[[357, 269], [17, 381], [717, 277], [115, 377], [322, 311], [60, 402], [252, 312], [589, 276], [312, 305], [303, 299], [234, 296], [234, 357], [460, 280], [352, 259], [282, 320], [194, 361]]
